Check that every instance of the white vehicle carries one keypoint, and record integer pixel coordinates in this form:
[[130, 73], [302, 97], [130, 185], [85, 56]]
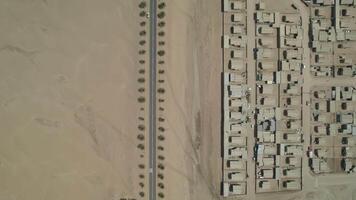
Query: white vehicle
[[147, 15]]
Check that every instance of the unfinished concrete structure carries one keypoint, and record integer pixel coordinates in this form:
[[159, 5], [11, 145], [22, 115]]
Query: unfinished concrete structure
[[333, 30], [287, 64], [236, 99], [333, 129], [279, 138]]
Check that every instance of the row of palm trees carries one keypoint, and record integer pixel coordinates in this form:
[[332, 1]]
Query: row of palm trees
[[142, 91], [143, 6], [161, 91]]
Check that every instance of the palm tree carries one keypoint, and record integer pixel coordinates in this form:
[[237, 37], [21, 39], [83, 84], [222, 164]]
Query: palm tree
[[141, 127], [161, 33], [140, 137], [141, 100], [142, 194], [161, 52], [142, 42], [160, 157], [161, 185], [160, 175], [161, 137], [141, 80], [161, 5], [161, 15], [142, 33], [161, 166], [142, 14], [141, 90], [141, 146], [142, 4], [161, 90], [161, 195]]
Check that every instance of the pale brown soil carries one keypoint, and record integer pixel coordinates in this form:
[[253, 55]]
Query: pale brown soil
[[68, 108], [194, 74]]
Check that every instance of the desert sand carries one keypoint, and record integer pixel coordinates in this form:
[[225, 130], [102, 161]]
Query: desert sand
[[68, 108], [194, 94]]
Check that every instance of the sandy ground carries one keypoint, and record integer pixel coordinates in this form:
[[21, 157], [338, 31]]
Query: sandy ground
[[68, 94], [193, 110], [68, 108]]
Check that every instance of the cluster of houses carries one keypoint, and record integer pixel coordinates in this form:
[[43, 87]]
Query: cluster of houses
[[333, 129], [333, 37], [279, 137], [236, 105]]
